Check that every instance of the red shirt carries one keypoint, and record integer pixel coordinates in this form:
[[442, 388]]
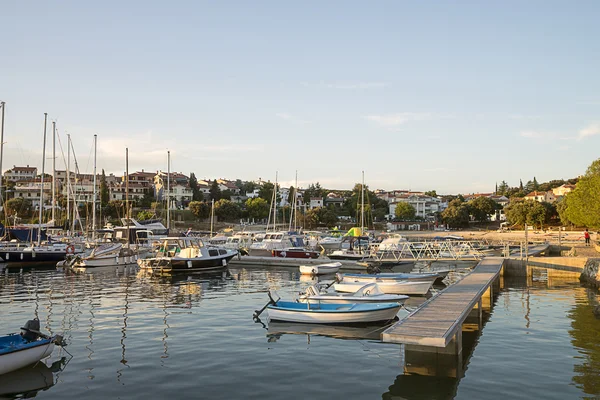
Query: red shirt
[[586, 235]]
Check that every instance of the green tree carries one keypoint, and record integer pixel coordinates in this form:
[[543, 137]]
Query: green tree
[[431, 193], [583, 204], [227, 210], [502, 188], [257, 208], [457, 214], [20, 207], [481, 208], [266, 192], [226, 194], [521, 212], [104, 195], [320, 217], [114, 209], [196, 193], [144, 215], [147, 200], [404, 211], [200, 209], [215, 191]]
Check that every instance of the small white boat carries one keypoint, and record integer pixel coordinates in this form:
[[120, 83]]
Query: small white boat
[[28, 347], [292, 311], [320, 269], [392, 276], [369, 293], [407, 287]]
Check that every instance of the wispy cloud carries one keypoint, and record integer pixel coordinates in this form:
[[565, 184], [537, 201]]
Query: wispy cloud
[[397, 119], [292, 118], [590, 130], [348, 85]]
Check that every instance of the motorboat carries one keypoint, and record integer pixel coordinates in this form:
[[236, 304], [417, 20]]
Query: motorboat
[[18, 350], [105, 255], [320, 269], [276, 241], [394, 276], [406, 287], [43, 253], [187, 254], [317, 313], [369, 293], [295, 252]]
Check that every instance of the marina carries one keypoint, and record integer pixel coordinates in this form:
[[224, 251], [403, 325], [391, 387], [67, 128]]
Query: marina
[[124, 327]]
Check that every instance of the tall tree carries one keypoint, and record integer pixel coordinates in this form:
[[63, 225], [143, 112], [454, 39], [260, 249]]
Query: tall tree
[[215, 191], [481, 208], [104, 195], [583, 203], [431, 193], [196, 193], [502, 188], [457, 214]]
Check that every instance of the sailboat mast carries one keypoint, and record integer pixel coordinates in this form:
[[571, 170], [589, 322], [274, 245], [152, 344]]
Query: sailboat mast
[[68, 178], [212, 216], [168, 190], [53, 171], [362, 204], [2, 105], [275, 203], [94, 196], [39, 238], [127, 192], [296, 203]]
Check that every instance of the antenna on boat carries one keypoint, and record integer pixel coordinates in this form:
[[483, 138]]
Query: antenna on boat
[[39, 238]]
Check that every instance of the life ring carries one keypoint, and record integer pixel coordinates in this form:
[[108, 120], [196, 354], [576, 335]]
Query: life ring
[[70, 249]]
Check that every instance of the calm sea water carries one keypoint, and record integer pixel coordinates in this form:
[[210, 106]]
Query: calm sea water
[[191, 336]]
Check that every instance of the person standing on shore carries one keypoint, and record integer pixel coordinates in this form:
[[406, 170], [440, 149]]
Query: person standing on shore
[[586, 235]]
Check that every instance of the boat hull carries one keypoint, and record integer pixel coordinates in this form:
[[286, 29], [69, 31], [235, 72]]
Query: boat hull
[[341, 299], [170, 265], [21, 358], [295, 253], [339, 314], [321, 269], [418, 288], [32, 256]]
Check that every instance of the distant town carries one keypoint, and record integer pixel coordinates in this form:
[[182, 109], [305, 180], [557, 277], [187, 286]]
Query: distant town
[[147, 190]]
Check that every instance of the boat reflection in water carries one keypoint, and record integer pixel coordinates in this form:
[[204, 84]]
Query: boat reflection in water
[[277, 329], [28, 381]]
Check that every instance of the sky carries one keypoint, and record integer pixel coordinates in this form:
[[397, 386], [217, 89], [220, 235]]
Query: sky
[[446, 96]]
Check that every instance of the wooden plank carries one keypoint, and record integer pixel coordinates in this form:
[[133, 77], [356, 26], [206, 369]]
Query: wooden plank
[[436, 320]]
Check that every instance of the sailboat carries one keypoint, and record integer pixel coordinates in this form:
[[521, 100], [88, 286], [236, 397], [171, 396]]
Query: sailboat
[[50, 252], [112, 253], [355, 239]]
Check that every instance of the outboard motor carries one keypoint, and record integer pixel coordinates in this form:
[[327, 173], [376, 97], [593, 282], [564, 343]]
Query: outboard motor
[[31, 330]]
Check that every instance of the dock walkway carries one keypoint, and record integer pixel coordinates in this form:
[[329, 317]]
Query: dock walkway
[[439, 320]]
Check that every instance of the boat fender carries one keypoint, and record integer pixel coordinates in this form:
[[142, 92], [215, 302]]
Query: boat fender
[[70, 249]]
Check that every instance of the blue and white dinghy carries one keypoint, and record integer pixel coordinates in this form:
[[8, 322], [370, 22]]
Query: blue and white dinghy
[[30, 346], [317, 313], [369, 293]]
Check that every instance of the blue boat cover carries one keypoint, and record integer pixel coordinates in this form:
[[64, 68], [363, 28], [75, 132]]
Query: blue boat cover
[[15, 342]]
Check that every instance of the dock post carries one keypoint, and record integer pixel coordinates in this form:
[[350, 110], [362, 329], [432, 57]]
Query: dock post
[[458, 342], [480, 313]]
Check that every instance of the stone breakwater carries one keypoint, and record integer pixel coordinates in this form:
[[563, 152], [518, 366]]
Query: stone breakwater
[[591, 273]]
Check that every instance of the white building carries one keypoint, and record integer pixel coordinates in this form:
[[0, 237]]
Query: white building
[[16, 174], [425, 206]]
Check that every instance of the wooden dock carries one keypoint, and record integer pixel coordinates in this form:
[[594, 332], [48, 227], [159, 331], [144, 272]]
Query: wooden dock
[[438, 321]]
